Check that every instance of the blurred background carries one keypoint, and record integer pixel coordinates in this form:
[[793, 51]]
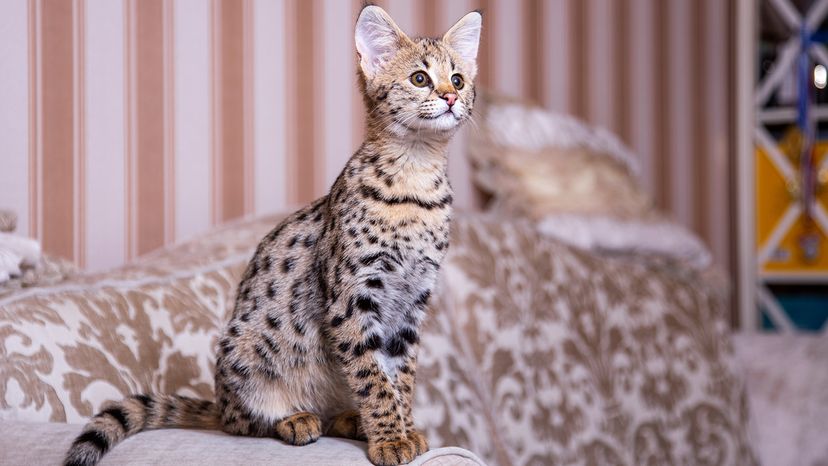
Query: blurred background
[[146, 121], [131, 124]]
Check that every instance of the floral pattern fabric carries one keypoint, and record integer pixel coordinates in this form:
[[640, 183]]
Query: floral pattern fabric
[[534, 353]]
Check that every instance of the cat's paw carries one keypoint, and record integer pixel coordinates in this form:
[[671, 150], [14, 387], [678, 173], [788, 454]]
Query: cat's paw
[[347, 425], [419, 440], [300, 428], [392, 453]]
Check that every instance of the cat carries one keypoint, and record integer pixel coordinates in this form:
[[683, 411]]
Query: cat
[[324, 332]]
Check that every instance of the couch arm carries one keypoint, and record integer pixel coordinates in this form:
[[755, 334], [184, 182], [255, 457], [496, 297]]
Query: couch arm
[[148, 326]]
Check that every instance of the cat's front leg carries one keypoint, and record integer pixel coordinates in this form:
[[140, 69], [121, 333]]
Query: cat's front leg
[[405, 386], [361, 348]]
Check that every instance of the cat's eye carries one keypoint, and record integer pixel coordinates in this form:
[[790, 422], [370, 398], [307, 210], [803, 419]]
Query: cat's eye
[[457, 82], [420, 79]]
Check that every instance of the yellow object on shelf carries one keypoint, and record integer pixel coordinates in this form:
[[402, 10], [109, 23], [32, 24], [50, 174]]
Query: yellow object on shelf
[[782, 230]]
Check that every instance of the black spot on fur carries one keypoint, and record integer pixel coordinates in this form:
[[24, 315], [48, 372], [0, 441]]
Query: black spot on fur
[[366, 304], [276, 231], [240, 369], [363, 373], [118, 414], [94, 438], [270, 343], [409, 335], [226, 346], [293, 241], [396, 346], [262, 352], [374, 194], [366, 390], [371, 343], [337, 321], [423, 298], [344, 347], [273, 322], [145, 400], [374, 283], [287, 264]]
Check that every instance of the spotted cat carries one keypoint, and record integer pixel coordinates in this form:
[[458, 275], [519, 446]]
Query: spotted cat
[[324, 334]]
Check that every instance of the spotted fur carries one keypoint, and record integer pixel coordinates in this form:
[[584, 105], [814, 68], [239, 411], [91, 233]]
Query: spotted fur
[[325, 330]]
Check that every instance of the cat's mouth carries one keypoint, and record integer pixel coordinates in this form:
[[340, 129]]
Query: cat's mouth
[[440, 115]]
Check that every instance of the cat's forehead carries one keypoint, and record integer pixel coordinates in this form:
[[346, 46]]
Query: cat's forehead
[[431, 53], [434, 50]]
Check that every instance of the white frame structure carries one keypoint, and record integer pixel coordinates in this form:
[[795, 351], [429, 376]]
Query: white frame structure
[[752, 116]]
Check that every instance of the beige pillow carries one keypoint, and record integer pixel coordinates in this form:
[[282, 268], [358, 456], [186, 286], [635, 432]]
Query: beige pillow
[[535, 184], [533, 163]]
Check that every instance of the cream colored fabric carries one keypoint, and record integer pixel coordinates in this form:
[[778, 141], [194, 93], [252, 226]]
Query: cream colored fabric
[[533, 162], [533, 352], [787, 383], [609, 235], [535, 184], [23, 443]]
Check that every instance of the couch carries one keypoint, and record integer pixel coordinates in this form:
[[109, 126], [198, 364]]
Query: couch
[[534, 353]]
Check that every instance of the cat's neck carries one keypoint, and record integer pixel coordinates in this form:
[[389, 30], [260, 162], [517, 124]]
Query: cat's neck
[[403, 166], [425, 154]]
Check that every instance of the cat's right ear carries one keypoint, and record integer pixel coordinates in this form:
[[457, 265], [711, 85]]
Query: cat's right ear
[[377, 39]]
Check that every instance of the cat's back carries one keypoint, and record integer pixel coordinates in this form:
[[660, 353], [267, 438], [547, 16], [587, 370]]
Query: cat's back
[[277, 300]]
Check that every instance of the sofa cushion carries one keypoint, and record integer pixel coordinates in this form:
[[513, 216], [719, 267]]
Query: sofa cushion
[[45, 443]]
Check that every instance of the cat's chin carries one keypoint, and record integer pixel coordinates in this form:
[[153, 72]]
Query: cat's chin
[[446, 122]]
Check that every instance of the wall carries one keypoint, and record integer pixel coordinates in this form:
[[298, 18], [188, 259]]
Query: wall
[[130, 124]]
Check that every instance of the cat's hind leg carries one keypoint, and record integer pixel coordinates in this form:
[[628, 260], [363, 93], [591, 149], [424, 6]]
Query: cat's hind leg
[[347, 425], [300, 428]]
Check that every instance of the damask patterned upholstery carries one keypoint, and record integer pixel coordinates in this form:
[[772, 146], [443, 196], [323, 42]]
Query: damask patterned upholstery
[[534, 353]]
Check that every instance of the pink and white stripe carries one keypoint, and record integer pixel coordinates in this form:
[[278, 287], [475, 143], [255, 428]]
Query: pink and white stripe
[[131, 124]]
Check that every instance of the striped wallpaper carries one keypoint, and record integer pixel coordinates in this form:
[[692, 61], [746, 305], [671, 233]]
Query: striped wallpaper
[[130, 124]]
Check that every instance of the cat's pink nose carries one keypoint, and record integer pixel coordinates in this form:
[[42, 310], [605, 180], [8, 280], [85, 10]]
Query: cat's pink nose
[[450, 98]]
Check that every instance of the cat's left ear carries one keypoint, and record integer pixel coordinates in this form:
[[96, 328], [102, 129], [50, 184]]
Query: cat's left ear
[[464, 36]]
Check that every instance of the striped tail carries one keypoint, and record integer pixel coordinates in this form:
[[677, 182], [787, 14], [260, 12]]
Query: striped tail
[[135, 414]]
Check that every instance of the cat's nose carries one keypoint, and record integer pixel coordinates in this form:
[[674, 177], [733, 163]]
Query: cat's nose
[[450, 98]]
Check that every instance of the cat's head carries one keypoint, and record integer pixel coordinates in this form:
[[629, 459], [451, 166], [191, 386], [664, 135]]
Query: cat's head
[[417, 85]]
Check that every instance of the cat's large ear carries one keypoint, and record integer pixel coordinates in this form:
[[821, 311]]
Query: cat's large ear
[[464, 36], [377, 39]]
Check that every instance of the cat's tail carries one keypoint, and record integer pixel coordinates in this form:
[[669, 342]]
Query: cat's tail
[[135, 414]]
